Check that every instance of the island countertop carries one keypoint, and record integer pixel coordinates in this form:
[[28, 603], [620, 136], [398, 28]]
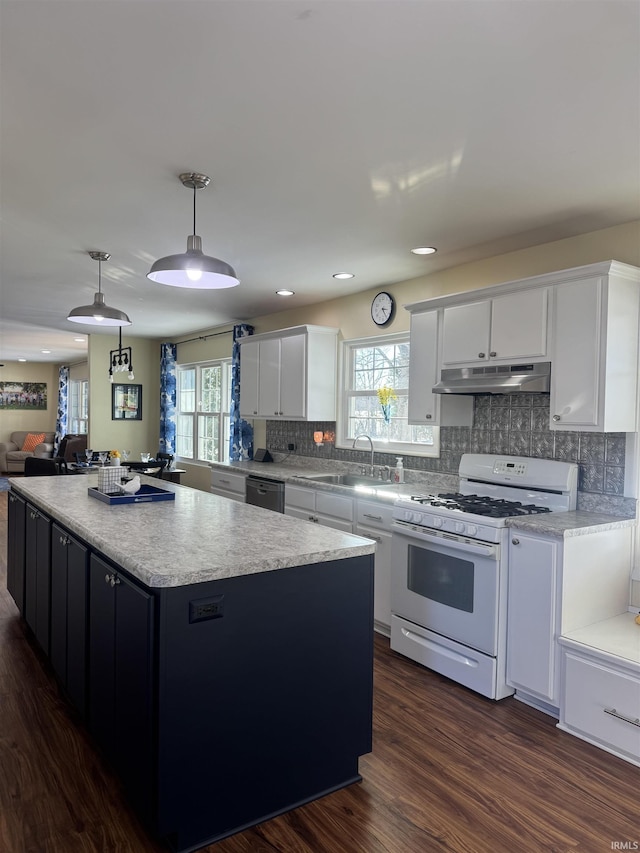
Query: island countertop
[[195, 538]]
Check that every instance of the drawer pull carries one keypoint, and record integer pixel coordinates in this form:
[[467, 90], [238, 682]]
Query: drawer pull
[[634, 721], [374, 517]]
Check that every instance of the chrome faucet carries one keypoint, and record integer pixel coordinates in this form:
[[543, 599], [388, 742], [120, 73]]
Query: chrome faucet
[[368, 437]]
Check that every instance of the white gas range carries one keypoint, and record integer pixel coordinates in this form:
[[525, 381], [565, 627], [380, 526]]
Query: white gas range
[[450, 564]]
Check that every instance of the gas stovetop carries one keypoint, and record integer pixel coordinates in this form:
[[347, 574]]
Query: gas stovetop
[[479, 505], [492, 490]]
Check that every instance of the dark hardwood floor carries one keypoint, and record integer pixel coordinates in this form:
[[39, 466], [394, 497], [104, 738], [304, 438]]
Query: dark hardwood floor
[[449, 771]]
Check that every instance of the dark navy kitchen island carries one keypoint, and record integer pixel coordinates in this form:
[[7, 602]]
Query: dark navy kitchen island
[[224, 652]]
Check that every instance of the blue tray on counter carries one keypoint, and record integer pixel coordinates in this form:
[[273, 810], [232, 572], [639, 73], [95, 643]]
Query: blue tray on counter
[[145, 494]]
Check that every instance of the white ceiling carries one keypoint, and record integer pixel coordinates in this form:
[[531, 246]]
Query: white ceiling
[[338, 135]]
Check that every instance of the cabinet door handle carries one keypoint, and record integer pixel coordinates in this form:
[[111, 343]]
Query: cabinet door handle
[[114, 580], [374, 517], [493, 354], [428, 417], [555, 418], [635, 721], [107, 578], [515, 541], [224, 481], [481, 355]]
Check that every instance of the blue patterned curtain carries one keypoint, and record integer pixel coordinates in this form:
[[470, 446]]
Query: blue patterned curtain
[[241, 438], [62, 420], [168, 355]]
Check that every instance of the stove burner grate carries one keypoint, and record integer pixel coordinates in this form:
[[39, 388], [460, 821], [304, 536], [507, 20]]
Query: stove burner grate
[[479, 505]]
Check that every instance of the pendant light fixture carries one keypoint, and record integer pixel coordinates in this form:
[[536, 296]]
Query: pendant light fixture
[[99, 314], [193, 268], [121, 359]]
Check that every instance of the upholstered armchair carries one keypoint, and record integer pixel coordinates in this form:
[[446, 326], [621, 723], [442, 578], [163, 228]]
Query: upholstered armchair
[[12, 455]]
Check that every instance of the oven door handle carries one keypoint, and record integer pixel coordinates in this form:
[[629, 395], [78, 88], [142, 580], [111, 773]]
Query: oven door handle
[[462, 544]]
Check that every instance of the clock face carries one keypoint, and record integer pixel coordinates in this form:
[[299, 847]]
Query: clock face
[[382, 308]]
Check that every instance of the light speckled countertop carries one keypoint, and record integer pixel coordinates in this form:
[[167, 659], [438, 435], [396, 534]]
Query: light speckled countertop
[[559, 524], [563, 525], [195, 538]]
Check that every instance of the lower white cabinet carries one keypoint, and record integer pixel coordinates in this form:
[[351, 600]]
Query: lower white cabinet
[[373, 520], [532, 617], [228, 485], [558, 585], [324, 508], [601, 686]]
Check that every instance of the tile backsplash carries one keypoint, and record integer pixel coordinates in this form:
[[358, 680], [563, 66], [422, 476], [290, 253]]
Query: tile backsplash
[[513, 424]]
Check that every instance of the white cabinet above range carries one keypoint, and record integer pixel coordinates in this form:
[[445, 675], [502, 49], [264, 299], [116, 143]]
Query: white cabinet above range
[[578, 325], [502, 329], [289, 374]]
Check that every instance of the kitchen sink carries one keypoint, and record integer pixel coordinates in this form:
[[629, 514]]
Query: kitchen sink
[[348, 480]]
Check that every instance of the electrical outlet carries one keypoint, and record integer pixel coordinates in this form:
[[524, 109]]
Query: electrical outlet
[[291, 447], [206, 608]]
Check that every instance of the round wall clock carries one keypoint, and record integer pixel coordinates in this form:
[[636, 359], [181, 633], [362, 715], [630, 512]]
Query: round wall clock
[[382, 308]]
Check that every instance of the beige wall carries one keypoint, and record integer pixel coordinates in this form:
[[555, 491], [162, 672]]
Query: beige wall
[[105, 433], [35, 421]]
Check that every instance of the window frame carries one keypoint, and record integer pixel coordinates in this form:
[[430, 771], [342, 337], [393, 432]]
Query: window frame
[[78, 400], [345, 362], [223, 416]]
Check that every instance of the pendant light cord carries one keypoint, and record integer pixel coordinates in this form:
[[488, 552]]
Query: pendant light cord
[[99, 275], [194, 209]]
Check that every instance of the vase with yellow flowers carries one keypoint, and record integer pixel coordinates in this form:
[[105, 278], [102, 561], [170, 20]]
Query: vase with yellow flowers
[[386, 395]]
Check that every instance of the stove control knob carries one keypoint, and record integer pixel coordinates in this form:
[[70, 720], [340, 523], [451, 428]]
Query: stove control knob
[[437, 522], [417, 517], [472, 530], [459, 527], [408, 515]]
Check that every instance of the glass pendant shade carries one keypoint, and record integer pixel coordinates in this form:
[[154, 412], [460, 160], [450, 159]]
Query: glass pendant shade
[[99, 313], [193, 268]]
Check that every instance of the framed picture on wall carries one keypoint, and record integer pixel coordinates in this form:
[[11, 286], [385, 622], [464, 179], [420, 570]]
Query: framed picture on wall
[[126, 402]]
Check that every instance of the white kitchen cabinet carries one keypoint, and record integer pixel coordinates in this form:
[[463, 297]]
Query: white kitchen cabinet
[[557, 585], [373, 520], [228, 484], [532, 616], [504, 329], [426, 408], [594, 351], [324, 508], [601, 686], [289, 374]]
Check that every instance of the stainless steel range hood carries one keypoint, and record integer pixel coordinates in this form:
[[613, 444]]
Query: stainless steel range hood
[[494, 379]]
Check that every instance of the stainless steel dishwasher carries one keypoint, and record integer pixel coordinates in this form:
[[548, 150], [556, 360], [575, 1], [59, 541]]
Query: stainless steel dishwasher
[[269, 494]]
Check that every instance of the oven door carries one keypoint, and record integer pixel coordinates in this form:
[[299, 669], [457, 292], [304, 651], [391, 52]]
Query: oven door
[[446, 583]]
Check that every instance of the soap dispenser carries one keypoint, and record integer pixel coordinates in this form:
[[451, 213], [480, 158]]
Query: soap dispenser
[[398, 471]]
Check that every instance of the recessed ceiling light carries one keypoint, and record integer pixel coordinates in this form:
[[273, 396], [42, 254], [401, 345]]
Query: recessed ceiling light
[[45, 351], [424, 250], [286, 292], [343, 275], [79, 340], [22, 359]]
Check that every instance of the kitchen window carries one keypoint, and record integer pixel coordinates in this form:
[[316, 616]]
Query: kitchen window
[[370, 364], [203, 405]]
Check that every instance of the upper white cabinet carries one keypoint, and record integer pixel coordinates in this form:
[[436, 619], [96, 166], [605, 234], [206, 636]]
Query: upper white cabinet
[[595, 351], [503, 329], [425, 407], [289, 374]]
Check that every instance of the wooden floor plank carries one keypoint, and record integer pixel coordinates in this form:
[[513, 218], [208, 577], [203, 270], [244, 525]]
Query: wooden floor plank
[[450, 771]]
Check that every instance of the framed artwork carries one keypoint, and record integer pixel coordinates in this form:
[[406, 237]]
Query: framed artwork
[[126, 402], [23, 395]]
